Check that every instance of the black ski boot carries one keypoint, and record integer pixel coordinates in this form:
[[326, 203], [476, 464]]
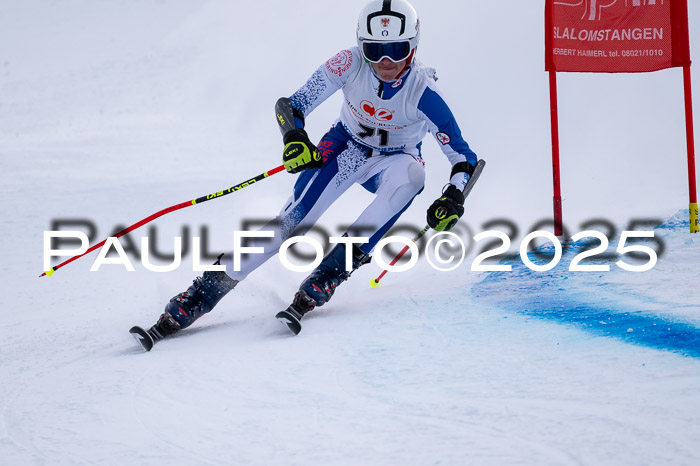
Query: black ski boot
[[186, 307], [317, 288]]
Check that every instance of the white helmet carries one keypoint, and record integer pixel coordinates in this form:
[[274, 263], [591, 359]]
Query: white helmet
[[388, 28]]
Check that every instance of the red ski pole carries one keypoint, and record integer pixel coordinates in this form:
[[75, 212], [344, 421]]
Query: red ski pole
[[467, 189], [375, 281], [173, 208]]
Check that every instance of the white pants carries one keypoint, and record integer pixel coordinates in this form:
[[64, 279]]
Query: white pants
[[395, 179]]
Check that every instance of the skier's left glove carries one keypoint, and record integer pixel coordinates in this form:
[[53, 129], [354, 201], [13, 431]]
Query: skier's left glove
[[299, 153], [446, 210]]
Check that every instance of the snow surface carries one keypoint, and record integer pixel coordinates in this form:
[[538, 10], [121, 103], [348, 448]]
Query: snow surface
[[110, 111]]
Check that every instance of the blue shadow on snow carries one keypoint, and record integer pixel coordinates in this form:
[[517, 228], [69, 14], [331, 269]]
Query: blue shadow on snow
[[560, 297]]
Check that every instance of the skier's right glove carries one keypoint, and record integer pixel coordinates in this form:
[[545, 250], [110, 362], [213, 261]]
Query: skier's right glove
[[299, 153], [446, 210]]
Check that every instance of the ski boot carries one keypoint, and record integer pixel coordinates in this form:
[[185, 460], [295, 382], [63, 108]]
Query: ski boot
[[318, 288], [186, 307]]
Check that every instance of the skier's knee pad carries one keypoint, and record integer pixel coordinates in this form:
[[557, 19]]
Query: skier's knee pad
[[411, 184], [416, 176]]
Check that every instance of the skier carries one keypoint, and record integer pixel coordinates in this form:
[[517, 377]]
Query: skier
[[391, 102]]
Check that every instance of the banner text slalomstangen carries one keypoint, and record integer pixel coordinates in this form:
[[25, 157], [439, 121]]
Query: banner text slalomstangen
[[616, 36]]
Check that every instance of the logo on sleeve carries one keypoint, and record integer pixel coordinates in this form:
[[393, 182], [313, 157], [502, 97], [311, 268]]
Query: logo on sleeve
[[340, 63], [444, 138]]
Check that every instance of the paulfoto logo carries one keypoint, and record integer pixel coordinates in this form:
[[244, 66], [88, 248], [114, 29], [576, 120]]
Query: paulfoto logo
[[445, 251]]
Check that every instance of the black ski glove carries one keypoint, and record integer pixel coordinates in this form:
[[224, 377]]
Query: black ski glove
[[299, 153], [446, 210]]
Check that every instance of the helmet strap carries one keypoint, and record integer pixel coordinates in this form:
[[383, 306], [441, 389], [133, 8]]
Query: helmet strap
[[409, 62]]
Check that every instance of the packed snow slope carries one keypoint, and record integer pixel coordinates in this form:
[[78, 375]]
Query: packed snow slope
[[111, 111]]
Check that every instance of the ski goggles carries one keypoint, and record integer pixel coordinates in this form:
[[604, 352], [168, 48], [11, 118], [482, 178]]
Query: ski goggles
[[394, 51]]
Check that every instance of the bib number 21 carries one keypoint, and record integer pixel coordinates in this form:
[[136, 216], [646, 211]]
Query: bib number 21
[[368, 132]]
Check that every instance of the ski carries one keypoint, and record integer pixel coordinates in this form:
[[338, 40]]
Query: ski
[[143, 337], [291, 318]]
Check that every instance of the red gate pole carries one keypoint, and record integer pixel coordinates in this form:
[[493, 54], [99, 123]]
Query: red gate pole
[[691, 150], [555, 154]]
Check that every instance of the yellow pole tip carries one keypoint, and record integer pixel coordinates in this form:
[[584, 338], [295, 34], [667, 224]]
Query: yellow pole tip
[[49, 272], [374, 283]]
